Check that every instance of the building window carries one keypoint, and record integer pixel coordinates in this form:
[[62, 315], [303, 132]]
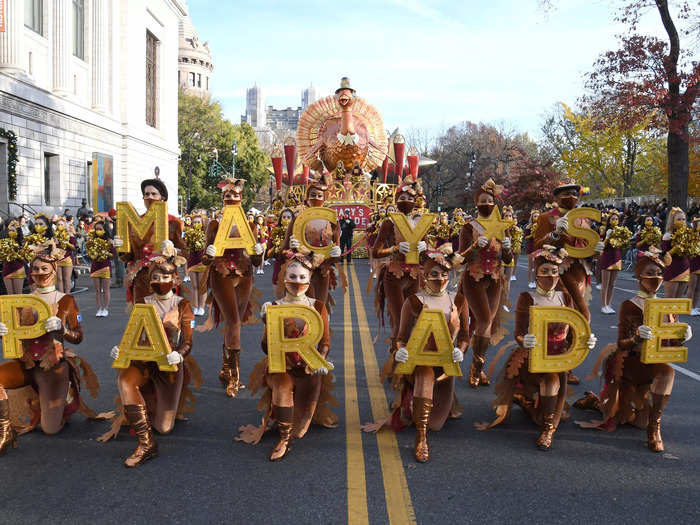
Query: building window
[[190, 77], [151, 80], [52, 177], [199, 80], [79, 28], [33, 15], [207, 83]]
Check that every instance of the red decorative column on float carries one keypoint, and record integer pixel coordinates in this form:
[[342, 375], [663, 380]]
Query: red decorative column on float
[[290, 157], [385, 168], [399, 153], [413, 162], [276, 157]]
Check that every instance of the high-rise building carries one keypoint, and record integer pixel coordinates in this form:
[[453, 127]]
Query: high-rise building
[[287, 118], [255, 107], [308, 97], [195, 64], [273, 125]]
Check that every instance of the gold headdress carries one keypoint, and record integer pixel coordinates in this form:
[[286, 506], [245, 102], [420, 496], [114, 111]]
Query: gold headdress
[[229, 183], [549, 254], [48, 252]]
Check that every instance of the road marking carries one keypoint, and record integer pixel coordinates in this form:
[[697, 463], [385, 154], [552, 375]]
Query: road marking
[[398, 498], [685, 371], [357, 485]]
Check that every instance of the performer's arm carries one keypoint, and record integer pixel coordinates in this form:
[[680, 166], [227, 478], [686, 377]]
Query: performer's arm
[[467, 242], [409, 314], [175, 234], [627, 338], [186, 327], [324, 345], [73, 331], [380, 248], [212, 228], [462, 339], [522, 317]]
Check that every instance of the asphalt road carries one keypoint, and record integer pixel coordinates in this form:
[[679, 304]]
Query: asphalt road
[[340, 475]]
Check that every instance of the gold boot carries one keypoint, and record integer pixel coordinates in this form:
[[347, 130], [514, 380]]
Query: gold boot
[[225, 372], [7, 433], [547, 407], [421, 416], [284, 416], [233, 386], [476, 371], [658, 402], [147, 448]]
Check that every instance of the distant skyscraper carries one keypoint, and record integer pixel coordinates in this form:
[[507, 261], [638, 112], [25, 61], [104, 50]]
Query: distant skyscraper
[[308, 97], [255, 107]]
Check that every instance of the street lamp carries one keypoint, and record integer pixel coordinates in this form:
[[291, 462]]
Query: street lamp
[[234, 152], [439, 188]]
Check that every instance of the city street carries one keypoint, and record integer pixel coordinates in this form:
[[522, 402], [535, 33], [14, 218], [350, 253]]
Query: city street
[[344, 475]]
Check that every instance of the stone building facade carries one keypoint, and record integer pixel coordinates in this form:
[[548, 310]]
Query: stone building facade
[[88, 87], [195, 65]]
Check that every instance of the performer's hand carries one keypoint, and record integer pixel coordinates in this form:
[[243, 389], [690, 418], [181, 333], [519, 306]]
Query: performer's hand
[[688, 334], [404, 247], [167, 247], [644, 332], [666, 237], [421, 246], [457, 355], [174, 358], [210, 251], [482, 241], [118, 243], [529, 341], [3, 329], [294, 243], [53, 324], [506, 244], [335, 251], [114, 352], [259, 248], [322, 371], [401, 355], [562, 224], [599, 247], [592, 340]]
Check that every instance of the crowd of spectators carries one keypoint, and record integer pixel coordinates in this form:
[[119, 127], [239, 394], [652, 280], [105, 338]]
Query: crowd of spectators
[[633, 214], [82, 223]]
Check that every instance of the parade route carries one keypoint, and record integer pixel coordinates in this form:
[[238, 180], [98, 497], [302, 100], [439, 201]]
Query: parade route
[[473, 477]]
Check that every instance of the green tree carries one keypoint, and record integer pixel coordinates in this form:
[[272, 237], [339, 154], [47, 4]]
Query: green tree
[[206, 142], [611, 159]]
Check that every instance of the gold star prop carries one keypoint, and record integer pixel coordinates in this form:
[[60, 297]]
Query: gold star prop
[[494, 226]]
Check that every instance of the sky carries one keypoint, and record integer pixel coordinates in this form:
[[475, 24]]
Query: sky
[[424, 64]]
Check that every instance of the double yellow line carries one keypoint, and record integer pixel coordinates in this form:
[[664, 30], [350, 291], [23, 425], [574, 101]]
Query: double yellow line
[[398, 498]]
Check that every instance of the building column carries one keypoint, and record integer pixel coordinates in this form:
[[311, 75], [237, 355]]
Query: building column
[[12, 39], [99, 58], [62, 35]]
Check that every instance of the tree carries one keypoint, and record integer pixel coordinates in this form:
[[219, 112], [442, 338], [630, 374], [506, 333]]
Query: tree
[[647, 74], [205, 137], [609, 158], [530, 183], [471, 153]]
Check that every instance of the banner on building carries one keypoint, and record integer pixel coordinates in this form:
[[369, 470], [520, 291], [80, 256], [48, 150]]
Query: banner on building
[[102, 182], [2, 16]]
